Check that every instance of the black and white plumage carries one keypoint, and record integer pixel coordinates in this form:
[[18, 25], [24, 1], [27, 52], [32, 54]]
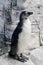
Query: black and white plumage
[[20, 37]]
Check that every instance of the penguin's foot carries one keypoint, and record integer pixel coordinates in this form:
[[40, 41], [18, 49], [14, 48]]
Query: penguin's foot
[[22, 58]]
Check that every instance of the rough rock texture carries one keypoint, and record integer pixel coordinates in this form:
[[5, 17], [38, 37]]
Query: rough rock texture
[[34, 5], [5, 60], [37, 56]]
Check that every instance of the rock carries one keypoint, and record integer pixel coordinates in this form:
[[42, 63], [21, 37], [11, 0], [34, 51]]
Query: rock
[[5, 60], [21, 3], [37, 56]]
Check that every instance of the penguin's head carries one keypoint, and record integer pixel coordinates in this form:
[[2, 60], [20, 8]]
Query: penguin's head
[[24, 15]]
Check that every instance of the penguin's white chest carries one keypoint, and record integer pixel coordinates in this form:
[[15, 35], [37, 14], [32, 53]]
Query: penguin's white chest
[[24, 37]]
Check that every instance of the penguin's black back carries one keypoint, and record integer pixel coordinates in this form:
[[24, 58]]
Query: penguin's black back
[[16, 33], [15, 37]]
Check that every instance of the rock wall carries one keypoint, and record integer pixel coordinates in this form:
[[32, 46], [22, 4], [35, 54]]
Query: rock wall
[[36, 6]]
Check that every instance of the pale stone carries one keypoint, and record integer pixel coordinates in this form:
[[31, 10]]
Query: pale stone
[[37, 56], [5, 60]]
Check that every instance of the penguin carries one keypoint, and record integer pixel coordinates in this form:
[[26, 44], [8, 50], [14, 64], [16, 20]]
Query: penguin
[[20, 37]]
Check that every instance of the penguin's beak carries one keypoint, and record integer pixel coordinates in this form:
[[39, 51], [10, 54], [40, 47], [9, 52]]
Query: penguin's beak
[[30, 13]]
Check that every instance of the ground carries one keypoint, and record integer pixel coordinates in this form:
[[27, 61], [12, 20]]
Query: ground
[[35, 58]]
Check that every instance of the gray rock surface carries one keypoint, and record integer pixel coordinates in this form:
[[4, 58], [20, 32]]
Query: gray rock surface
[[5, 60], [37, 56], [32, 6]]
